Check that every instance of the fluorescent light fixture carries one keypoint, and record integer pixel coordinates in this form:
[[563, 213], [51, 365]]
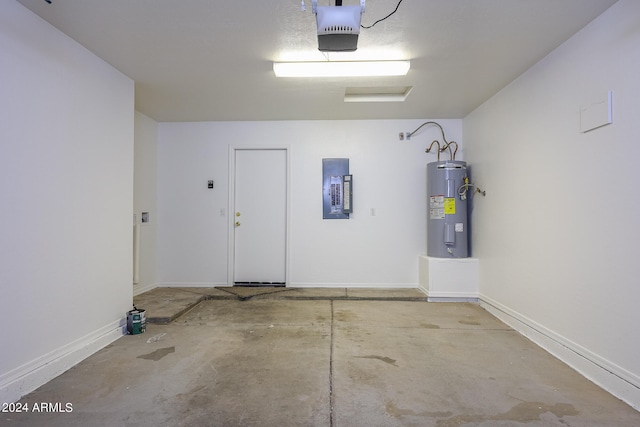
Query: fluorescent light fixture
[[341, 68]]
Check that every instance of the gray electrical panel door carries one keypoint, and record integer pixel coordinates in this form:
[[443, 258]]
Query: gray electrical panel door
[[333, 195]]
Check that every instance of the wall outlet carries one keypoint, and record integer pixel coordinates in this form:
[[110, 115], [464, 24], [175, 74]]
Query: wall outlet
[[404, 136]]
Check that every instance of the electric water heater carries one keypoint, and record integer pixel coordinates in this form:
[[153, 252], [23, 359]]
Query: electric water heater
[[447, 214]]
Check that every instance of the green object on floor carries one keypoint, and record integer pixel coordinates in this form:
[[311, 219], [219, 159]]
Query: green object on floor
[[136, 321]]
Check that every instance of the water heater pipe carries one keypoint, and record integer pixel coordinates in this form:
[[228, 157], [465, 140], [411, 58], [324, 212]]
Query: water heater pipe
[[452, 156], [428, 150]]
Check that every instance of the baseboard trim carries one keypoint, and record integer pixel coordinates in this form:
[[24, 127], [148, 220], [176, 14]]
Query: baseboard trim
[[28, 377], [353, 285], [614, 379], [190, 284], [446, 296], [289, 285], [473, 300], [137, 289]]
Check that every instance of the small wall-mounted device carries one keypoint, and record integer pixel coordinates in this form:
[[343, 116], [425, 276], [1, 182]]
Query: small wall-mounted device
[[144, 217], [338, 26], [210, 183], [596, 113]]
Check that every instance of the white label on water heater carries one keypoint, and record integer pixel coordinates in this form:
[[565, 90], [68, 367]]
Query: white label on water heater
[[459, 227], [436, 207]]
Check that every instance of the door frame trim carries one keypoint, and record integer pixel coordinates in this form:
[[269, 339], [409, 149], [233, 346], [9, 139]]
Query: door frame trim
[[231, 250]]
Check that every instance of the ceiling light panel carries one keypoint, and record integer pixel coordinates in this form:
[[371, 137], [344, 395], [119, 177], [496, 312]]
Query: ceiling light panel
[[341, 68]]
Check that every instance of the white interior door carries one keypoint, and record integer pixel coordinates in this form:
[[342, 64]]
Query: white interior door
[[260, 216]]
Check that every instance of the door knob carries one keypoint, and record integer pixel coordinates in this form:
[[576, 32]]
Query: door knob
[[237, 223]]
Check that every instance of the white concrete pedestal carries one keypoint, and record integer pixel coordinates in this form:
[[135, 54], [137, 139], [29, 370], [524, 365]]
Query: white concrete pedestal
[[449, 279]]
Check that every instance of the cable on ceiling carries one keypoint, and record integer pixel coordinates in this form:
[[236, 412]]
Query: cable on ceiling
[[382, 19]]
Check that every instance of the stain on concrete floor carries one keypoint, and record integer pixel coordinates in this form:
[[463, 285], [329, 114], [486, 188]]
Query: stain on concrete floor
[[158, 354], [387, 360], [524, 412]]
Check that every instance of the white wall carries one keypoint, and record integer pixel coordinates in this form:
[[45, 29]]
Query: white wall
[[389, 176], [66, 174], [557, 234], [145, 194]]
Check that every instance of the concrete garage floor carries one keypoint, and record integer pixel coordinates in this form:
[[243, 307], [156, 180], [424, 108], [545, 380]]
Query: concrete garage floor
[[286, 357]]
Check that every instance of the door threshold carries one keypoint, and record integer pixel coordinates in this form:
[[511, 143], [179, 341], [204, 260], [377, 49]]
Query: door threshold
[[261, 284]]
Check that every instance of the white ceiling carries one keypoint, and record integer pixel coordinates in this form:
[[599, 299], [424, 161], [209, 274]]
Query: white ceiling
[[207, 60]]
